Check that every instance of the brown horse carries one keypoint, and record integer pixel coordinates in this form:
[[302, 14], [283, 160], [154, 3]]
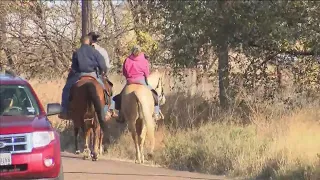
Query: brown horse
[[87, 101]]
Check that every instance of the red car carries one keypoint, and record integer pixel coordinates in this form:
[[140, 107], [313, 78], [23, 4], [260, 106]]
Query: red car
[[29, 146]]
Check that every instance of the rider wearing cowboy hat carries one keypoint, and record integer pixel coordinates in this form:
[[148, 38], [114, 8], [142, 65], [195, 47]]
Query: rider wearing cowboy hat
[[93, 41]]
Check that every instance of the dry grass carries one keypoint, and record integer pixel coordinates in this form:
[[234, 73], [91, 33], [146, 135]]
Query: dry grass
[[279, 143], [287, 148]]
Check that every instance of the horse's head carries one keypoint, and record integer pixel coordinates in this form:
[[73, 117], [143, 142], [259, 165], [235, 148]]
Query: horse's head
[[156, 81]]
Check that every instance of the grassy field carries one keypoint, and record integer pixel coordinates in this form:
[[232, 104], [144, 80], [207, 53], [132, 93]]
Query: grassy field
[[272, 141]]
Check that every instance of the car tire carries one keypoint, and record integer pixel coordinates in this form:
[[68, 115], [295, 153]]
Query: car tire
[[61, 174]]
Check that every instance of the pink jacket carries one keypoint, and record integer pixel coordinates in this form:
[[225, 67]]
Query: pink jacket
[[136, 68]]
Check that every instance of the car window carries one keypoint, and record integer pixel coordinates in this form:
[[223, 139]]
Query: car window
[[17, 100]]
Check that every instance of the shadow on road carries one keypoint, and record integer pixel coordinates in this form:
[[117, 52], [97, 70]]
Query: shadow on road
[[145, 175]]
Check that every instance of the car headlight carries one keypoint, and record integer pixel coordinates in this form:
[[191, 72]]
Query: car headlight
[[42, 138]]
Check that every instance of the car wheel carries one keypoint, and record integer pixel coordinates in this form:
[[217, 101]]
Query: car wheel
[[61, 174]]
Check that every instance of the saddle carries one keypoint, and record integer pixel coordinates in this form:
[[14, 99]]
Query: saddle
[[117, 99], [108, 87]]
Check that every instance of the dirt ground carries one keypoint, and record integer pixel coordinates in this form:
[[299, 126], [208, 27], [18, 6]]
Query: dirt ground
[[75, 167]]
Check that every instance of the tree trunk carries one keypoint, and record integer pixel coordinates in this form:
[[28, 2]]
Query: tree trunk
[[116, 30], [85, 17], [74, 13], [223, 70], [90, 19], [3, 36]]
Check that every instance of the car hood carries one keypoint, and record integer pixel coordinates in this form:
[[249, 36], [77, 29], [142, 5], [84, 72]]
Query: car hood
[[23, 124]]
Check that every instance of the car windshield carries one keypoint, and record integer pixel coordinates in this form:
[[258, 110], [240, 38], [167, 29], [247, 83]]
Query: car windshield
[[17, 100]]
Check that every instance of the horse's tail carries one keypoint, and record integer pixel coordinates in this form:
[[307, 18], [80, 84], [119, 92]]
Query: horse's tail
[[146, 116], [94, 98]]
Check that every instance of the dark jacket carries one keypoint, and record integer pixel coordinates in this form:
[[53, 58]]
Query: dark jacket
[[87, 59]]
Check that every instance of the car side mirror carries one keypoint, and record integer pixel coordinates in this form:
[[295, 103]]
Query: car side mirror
[[53, 109]]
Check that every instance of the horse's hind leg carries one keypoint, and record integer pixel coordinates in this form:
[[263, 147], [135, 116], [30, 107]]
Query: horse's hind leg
[[138, 154], [151, 129], [105, 138], [86, 131], [76, 133], [101, 146], [96, 141], [141, 140], [134, 134]]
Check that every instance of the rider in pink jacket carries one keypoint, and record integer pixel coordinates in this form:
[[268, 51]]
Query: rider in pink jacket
[[136, 70]]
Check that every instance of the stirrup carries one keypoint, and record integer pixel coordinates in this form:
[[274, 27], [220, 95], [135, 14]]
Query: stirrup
[[114, 114], [157, 116]]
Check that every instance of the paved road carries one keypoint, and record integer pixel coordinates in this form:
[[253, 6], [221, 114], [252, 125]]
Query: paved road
[[76, 168]]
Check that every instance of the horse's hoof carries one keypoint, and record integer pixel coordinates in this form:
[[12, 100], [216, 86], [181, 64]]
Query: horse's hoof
[[77, 152], [94, 156], [150, 156], [105, 149], [86, 154], [85, 157]]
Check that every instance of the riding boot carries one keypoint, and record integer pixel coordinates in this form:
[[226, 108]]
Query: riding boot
[[108, 115], [64, 115], [113, 113], [157, 115]]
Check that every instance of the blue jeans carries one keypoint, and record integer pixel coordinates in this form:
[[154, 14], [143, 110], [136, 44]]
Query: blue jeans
[[71, 80], [143, 82]]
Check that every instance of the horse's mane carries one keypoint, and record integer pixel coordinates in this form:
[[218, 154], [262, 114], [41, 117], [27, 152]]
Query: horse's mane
[[154, 77]]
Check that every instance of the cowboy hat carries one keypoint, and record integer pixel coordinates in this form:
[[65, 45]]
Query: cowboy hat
[[94, 36]]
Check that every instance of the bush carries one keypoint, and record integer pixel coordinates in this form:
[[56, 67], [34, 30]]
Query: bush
[[286, 148]]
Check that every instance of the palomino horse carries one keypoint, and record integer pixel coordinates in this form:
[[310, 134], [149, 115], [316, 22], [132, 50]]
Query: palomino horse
[[137, 109], [87, 100]]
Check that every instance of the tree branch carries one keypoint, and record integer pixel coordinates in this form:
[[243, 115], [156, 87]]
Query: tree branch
[[283, 51]]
